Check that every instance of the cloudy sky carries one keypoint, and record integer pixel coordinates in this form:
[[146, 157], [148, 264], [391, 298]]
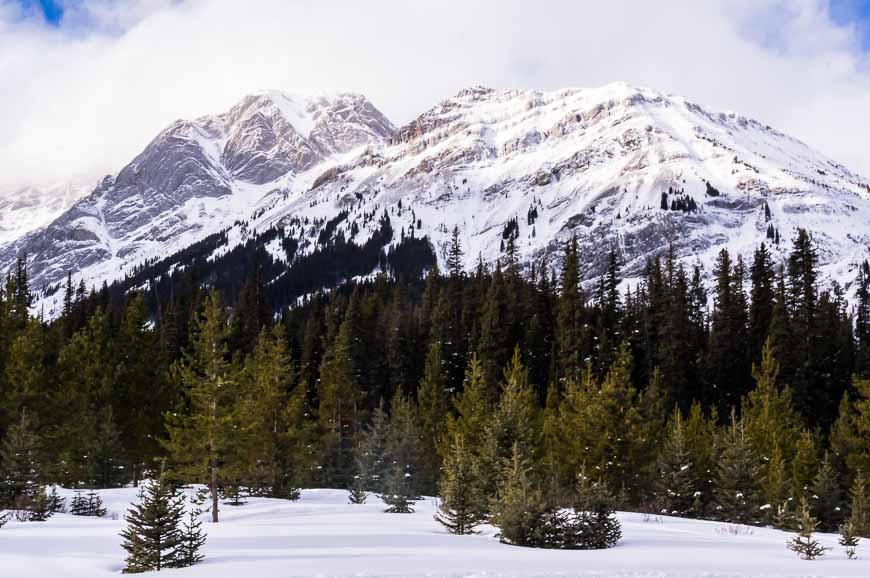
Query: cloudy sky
[[85, 84]]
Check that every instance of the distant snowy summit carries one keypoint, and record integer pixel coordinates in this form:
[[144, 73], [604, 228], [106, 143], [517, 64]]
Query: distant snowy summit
[[618, 166]]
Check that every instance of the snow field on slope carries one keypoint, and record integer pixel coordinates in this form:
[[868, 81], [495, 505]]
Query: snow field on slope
[[322, 535]]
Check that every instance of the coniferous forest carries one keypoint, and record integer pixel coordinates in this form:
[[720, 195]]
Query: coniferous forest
[[517, 394]]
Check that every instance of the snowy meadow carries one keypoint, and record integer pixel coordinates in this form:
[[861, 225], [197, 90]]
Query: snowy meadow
[[322, 535]]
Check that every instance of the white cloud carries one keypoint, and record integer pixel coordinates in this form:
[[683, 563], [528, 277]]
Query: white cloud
[[84, 99]]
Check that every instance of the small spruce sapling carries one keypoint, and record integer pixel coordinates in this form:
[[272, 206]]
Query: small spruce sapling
[[95, 505], [78, 505], [804, 544], [40, 507], [595, 515], [398, 495], [55, 502], [848, 538], [153, 535], [859, 506], [192, 539], [357, 493]]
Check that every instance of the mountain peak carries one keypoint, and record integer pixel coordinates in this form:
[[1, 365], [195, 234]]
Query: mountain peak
[[617, 166]]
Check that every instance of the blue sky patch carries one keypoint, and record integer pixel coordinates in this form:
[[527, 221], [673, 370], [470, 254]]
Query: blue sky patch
[[51, 10]]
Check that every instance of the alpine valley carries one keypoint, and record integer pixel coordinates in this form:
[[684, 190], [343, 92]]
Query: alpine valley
[[329, 182]]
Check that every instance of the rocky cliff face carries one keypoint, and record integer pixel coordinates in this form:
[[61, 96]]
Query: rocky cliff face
[[26, 209], [617, 166], [195, 178]]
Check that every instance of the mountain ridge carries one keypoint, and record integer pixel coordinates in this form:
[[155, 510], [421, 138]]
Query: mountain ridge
[[618, 166]]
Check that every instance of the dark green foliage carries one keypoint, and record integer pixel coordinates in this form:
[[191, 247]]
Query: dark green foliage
[[153, 536], [357, 494], [527, 518], [676, 485], [90, 504], [826, 498], [401, 458], [369, 458], [192, 540], [302, 379], [593, 521], [55, 503], [519, 509], [40, 508], [78, 505], [19, 461], [804, 544], [462, 506], [849, 538], [859, 506], [398, 495], [736, 484]]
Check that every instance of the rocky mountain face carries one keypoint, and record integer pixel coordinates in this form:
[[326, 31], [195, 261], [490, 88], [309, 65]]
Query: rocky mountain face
[[617, 166], [26, 209], [195, 178]]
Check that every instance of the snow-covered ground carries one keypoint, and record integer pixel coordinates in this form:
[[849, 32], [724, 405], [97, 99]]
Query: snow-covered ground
[[322, 535]]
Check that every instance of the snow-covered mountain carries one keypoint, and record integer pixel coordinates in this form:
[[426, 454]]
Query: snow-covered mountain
[[26, 209], [599, 163]]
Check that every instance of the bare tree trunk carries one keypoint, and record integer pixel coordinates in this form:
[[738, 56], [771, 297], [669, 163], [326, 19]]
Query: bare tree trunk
[[214, 495]]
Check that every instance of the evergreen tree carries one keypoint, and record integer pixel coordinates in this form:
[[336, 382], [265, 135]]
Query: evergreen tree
[[776, 491], [700, 442], [461, 509], [676, 485], [496, 327], [804, 464], [55, 502], [370, 457], [78, 504], [593, 524], [804, 544], [802, 295], [95, 505], [192, 539], [153, 536], [762, 279], [138, 407], [518, 509], [87, 505], [253, 313], [105, 464], [432, 402], [736, 483], [341, 394], [859, 506], [767, 410], [728, 361], [570, 315], [201, 439], [859, 431], [40, 508], [603, 428], [849, 539], [513, 422], [402, 458], [272, 458], [19, 461], [455, 255], [862, 320], [826, 502], [26, 369]]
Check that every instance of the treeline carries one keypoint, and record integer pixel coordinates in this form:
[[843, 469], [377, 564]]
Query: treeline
[[735, 405]]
